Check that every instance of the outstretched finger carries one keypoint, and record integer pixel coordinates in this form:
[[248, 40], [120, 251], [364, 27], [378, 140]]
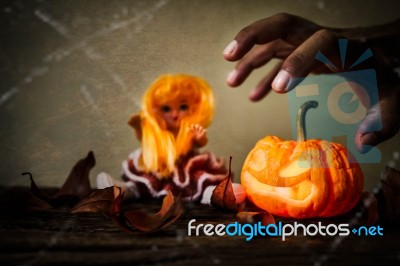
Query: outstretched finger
[[301, 62], [379, 124], [264, 86], [257, 58], [280, 26]]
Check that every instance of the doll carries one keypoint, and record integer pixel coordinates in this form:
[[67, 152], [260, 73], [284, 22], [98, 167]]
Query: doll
[[175, 111]]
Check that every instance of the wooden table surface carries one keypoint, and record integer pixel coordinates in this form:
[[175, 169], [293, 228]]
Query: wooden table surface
[[55, 237]]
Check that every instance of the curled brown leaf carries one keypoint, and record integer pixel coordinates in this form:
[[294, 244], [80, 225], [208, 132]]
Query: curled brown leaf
[[223, 196], [171, 209], [78, 183], [99, 201], [19, 201], [75, 188], [265, 218]]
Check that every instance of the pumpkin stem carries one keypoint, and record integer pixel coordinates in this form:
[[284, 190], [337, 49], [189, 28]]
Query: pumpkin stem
[[301, 119]]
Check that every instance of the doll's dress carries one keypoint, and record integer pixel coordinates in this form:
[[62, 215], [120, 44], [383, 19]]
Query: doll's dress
[[194, 174]]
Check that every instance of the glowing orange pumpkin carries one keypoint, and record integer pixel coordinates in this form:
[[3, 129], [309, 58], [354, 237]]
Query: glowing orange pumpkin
[[303, 179]]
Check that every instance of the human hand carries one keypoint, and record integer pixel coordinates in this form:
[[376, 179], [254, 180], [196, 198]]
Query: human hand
[[199, 135], [387, 113], [296, 41], [293, 39]]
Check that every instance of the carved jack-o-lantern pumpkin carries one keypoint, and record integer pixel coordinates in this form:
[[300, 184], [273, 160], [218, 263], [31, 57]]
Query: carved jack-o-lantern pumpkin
[[303, 179]]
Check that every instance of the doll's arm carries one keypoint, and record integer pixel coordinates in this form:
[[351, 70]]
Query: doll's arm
[[199, 135], [135, 122]]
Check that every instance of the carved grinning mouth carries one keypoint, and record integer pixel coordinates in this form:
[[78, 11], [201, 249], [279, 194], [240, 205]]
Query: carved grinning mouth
[[301, 191], [294, 173]]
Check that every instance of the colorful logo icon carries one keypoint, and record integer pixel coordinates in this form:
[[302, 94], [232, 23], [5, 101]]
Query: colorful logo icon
[[343, 101]]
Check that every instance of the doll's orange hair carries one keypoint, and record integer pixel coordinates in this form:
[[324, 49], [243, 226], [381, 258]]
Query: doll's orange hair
[[160, 148]]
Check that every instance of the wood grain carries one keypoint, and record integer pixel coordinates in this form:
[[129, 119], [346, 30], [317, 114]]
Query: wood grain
[[52, 237]]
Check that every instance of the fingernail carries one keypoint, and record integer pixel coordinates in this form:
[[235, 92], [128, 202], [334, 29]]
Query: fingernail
[[281, 80], [230, 48], [253, 93], [231, 79], [370, 139]]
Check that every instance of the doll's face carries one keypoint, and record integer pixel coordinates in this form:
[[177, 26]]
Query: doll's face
[[173, 112]]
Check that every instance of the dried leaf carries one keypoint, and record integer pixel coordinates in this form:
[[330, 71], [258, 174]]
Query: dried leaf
[[171, 210], [99, 201], [78, 183], [65, 200], [391, 193], [76, 187], [254, 217], [223, 196], [19, 201]]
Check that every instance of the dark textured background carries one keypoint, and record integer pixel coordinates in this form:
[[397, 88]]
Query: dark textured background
[[73, 71]]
